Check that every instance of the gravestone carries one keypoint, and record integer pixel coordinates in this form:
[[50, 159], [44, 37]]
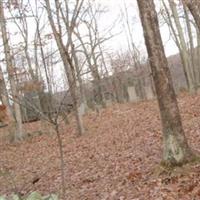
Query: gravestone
[[149, 92], [132, 94], [82, 108], [108, 102]]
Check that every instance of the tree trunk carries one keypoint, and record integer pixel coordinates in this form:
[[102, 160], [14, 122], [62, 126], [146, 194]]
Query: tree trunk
[[90, 57], [197, 60], [183, 47], [193, 6], [175, 36], [176, 150], [191, 50], [68, 65], [4, 96], [83, 101], [11, 72]]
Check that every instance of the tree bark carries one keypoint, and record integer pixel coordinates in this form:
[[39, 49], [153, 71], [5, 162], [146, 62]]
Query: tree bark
[[176, 150], [183, 47], [68, 65], [193, 6], [174, 34], [91, 58], [4, 95], [83, 100], [11, 71]]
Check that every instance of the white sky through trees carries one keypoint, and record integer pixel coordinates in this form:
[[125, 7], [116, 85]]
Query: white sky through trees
[[113, 14], [111, 18], [120, 42]]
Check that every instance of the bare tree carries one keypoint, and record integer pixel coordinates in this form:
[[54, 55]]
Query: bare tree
[[5, 101], [176, 150], [193, 52], [11, 74], [69, 21], [193, 6], [184, 51], [91, 47], [171, 17]]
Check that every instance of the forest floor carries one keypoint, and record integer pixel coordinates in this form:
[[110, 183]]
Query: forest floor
[[116, 159]]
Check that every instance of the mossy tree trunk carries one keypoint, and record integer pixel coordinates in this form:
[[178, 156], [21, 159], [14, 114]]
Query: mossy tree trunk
[[176, 150]]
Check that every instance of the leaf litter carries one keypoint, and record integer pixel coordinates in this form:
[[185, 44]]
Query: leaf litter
[[114, 160]]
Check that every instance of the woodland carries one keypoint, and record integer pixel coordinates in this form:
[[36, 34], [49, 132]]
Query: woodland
[[99, 100]]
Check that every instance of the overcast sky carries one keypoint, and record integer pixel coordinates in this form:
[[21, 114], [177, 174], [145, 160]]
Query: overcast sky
[[120, 42]]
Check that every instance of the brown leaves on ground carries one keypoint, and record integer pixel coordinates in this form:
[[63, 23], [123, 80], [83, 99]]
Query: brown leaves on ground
[[114, 160]]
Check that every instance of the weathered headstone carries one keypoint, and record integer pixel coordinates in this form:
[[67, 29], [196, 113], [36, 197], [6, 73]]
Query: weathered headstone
[[149, 92], [132, 94], [108, 102], [82, 108], [198, 91]]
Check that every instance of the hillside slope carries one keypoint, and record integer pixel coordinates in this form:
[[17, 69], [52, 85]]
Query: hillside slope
[[115, 159]]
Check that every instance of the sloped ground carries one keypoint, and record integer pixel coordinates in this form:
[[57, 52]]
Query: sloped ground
[[114, 160]]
